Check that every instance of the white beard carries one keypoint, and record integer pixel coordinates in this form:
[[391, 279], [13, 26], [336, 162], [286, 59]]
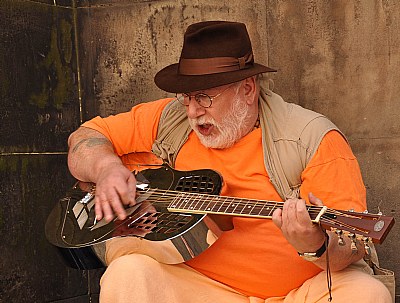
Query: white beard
[[232, 128]]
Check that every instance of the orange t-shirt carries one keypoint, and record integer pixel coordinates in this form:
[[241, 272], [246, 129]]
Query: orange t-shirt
[[253, 258]]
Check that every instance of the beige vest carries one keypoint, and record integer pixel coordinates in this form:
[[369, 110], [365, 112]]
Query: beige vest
[[291, 136]]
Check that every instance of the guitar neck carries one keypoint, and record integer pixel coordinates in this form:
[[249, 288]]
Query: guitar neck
[[373, 226]]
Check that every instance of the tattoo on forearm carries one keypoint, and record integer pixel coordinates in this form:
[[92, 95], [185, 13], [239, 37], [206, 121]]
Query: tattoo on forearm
[[90, 142]]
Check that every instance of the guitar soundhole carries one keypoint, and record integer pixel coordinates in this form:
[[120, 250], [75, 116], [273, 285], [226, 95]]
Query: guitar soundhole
[[195, 184]]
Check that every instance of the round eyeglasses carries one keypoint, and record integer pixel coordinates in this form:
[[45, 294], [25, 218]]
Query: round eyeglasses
[[203, 99]]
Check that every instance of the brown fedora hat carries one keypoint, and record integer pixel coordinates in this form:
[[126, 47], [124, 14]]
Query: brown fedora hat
[[214, 53]]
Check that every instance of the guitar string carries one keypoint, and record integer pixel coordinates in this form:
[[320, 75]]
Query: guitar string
[[165, 195], [220, 205], [326, 220], [330, 221]]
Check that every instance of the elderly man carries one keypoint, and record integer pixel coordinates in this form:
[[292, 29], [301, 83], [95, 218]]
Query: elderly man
[[264, 148]]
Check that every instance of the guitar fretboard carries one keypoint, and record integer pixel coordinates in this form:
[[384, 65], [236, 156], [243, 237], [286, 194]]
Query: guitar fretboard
[[200, 203]]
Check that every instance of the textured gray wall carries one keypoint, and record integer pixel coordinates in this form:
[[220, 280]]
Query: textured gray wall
[[64, 61], [342, 58]]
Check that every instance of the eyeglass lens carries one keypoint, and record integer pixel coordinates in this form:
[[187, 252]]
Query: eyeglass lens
[[203, 99]]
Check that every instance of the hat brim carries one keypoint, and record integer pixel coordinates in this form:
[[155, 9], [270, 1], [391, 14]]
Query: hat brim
[[169, 80]]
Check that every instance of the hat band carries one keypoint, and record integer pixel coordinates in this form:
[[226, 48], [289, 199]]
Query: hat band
[[206, 66]]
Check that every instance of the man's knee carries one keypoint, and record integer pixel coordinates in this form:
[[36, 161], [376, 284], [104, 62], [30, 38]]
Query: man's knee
[[130, 267], [364, 287], [376, 291]]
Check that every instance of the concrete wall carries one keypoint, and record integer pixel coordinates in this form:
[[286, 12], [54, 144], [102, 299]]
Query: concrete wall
[[342, 58], [65, 61]]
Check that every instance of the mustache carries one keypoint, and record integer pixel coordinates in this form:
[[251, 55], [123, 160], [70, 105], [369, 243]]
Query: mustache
[[203, 120]]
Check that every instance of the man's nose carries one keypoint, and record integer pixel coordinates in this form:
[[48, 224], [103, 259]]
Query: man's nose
[[194, 109]]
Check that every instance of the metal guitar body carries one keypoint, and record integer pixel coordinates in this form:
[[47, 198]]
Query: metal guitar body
[[72, 227]]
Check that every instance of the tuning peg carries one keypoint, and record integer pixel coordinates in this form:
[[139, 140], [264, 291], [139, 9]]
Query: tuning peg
[[367, 248], [353, 239], [339, 233]]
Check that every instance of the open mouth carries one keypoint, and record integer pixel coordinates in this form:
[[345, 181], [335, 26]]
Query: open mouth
[[205, 129]]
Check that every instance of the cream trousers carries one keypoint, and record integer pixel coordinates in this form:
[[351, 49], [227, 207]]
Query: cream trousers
[[133, 277]]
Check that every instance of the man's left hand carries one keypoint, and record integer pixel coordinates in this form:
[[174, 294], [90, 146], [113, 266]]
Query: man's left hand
[[295, 223]]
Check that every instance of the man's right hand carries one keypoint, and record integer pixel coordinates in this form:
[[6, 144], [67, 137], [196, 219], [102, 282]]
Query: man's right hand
[[115, 189]]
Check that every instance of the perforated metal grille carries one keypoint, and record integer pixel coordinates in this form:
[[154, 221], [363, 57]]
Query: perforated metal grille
[[164, 223], [195, 184]]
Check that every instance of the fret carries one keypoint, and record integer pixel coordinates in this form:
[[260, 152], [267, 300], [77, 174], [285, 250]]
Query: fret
[[248, 207], [224, 205], [204, 205], [239, 206], [175, 202], [212, 204], [256, 210], [197, 199], [193, 201], [220, 203], [266, 210], [260, 213], [187, 201], [276, 204], [178, 201], [233, 204], [184, 201]]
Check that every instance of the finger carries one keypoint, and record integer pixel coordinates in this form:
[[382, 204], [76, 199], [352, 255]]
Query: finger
[[98, 210], [100, 201], [125, 195], [110, 205], [107, 211], [116, 206], [303, 216], [277, 217], [113, 203], [131, 190], [314, 200], [289, 213]]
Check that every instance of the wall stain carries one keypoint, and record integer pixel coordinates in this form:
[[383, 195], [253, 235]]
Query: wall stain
[[57, 77]]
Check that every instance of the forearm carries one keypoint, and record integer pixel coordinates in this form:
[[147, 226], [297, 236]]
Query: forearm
[[89, 152]]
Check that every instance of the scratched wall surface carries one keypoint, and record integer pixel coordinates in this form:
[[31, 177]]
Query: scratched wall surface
[[342, 58], [37, 78], [121, 54], [63, 61], [38, 109]]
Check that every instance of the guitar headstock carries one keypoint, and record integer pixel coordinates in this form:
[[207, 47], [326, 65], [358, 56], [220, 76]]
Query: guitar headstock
[[373, 226]]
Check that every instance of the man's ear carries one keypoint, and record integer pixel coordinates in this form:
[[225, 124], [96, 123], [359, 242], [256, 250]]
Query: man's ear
[[250, 90]]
